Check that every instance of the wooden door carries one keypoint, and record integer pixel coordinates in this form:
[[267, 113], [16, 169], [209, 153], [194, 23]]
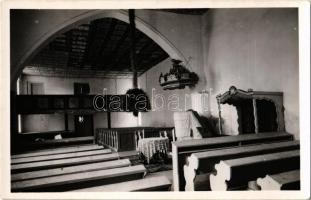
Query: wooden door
[[83, 125]]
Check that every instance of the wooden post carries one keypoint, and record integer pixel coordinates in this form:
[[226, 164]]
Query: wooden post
[[255, 115], [108, 119], [66, 122], [173, 134], [219, 115], [175, 167], [132, 45]]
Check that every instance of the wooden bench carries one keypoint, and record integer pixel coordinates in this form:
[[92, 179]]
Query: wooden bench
[[59, 142], [62, 162], [236, 173], [80, 180], [283, 181], [182, 149], [204, 162], [58, 150], [59, 156], [160, 183], [70, 170]]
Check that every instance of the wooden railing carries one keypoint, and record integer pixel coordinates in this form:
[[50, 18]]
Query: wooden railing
[[126, 139]]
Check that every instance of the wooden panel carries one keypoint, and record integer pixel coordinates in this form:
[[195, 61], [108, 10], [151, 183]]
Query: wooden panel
[[77, 180], [44, 104], [125, 139], [70, 170], [62, 162], [204, 162], [237, 173], [283, 181], [59, 150], [161, 183], [59, 156], [182, 149]]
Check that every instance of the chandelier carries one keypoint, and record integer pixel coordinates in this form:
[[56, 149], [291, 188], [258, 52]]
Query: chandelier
[[178, 77]]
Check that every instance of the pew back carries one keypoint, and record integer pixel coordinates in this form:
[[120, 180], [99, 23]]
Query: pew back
[[204, 162], [182, 149]]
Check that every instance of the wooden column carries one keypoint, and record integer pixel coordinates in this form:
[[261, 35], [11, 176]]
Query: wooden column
[[108, 119], [219, 115], [255, 115], [66, 122], [132, 45]]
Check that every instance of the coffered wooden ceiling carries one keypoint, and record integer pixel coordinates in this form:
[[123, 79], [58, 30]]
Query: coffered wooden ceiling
[[99, 48]]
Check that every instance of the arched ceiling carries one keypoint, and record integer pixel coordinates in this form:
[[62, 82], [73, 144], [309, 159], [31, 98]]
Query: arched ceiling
[[98, 48]]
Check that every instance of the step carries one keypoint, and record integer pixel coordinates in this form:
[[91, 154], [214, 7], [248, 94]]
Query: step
[[161, 183], [70, 170], [58, 150], [80, 180], [59, 156], [62, 162]]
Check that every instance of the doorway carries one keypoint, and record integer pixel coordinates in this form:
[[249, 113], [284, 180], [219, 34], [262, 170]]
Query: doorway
[[83, 125]]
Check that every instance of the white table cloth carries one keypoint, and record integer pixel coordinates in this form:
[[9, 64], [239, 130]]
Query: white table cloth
[[149, 146]]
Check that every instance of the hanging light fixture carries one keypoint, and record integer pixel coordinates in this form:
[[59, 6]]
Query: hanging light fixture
[[178, 77]]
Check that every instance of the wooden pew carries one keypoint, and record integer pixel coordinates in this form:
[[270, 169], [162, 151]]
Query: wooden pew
[[24, 167], [60, 142], [204, 162], [58, 150], [59, 156], [236, 173], [70, 170], [160, 183], [283, 181], [80, 180], [182, 149]]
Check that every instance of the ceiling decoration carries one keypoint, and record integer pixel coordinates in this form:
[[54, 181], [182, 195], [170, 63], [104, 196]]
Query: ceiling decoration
[[99, 47]]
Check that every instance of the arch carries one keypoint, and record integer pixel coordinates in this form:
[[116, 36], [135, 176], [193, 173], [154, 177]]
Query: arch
[[141, 25]]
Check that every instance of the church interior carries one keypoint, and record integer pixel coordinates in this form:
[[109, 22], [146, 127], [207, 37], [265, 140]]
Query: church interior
[[154, 100]]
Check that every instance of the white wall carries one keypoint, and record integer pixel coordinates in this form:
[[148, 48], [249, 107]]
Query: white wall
[[57, 85], [163, 102], [253, 48], [184, 32]]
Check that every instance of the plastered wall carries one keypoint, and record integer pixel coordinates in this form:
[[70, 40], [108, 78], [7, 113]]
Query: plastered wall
[[253, 48]]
